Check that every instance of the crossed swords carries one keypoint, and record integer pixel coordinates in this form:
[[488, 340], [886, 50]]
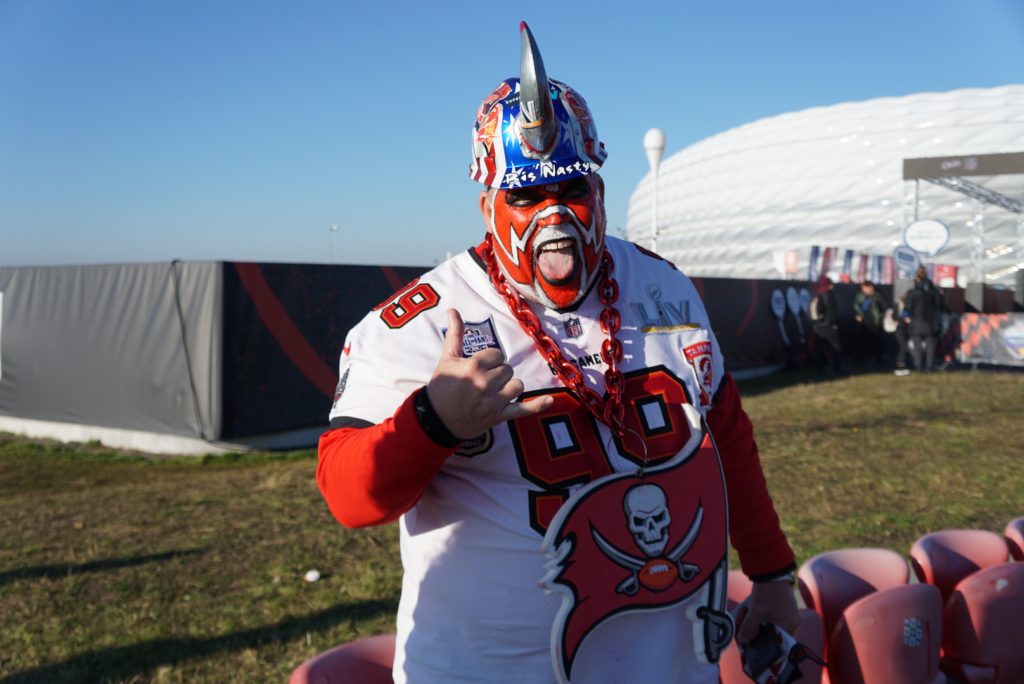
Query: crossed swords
[[631, 585]]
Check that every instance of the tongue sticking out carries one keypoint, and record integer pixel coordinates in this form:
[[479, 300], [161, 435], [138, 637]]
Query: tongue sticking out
[[557, 265]]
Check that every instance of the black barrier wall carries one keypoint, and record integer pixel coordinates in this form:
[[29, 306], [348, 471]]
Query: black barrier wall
[[223, 351]]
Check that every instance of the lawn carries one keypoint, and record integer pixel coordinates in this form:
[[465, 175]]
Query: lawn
[[118, 567]]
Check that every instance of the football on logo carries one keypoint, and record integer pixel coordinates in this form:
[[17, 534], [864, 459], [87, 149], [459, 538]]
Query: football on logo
[[658, 574]]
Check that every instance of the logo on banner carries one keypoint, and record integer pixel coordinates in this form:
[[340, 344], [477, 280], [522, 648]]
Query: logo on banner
[[700, 358], [625, 544]]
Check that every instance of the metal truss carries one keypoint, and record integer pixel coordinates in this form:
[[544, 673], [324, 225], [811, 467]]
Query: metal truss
[[979, 192]]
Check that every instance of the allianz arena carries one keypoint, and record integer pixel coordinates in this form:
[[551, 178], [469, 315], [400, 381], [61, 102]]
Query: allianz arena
[[734, 204]]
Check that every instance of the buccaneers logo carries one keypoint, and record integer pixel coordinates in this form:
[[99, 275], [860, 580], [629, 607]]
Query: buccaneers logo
[[636, 542]]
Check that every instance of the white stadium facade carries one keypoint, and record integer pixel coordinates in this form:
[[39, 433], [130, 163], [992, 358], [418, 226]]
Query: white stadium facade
[[733, 205]]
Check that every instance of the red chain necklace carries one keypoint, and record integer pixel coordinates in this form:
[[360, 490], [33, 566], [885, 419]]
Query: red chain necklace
[[610, 411]]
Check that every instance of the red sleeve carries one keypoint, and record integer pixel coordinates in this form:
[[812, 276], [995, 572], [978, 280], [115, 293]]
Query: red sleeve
[[372, 475], [753, 524]]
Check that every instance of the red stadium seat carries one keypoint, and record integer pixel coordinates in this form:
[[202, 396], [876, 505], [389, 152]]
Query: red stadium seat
[[1014, 534], [889, 636], [983, 627], [738, 589], [833, 580], [809, 633], [945, 557], [366, 661]]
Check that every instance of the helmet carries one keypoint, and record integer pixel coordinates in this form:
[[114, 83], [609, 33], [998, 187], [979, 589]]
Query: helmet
[[533, 130]]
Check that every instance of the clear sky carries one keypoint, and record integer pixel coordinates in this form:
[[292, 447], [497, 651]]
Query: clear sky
[[151, 130]]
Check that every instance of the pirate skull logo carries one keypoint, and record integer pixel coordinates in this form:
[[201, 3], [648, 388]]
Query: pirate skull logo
[[646, 509]]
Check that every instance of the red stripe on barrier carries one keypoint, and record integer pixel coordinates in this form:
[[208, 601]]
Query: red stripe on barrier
[[750, 309], [392, 277], [281, 327]]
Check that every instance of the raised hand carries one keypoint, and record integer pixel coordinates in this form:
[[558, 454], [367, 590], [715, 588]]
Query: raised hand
[[473, 394]]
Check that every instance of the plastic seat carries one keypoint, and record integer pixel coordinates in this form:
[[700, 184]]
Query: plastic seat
[[833, 580], [945, 557], [810, 633], [889, 636], [738, 589], [1014, 535], [366, 661], [983, 627]]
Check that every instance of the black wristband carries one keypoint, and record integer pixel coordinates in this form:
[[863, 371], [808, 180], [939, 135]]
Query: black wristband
[[431, 422], [786, 574]]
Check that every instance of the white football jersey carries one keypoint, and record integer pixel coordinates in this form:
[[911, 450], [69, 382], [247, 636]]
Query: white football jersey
[[472, 606]]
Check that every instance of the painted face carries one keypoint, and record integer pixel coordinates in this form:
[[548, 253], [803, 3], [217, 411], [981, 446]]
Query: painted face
[[548, 239]]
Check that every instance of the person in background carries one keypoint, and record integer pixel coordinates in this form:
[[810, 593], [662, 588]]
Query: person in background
[[525, 427], [869, 307], [824, 315], [901, 330], [924, 317]]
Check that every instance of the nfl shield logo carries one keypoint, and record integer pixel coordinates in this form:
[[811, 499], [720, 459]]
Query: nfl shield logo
[[573, 327]]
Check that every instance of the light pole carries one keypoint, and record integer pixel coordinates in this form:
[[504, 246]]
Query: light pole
[[330, 242], [654, 146]]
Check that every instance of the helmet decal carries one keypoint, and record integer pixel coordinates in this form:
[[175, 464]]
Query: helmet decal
[[532, 130]]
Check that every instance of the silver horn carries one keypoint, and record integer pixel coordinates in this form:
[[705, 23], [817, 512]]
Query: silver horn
[[538, 130]]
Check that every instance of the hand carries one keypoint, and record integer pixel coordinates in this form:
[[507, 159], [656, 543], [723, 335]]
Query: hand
[[474, 394], [769, 602]]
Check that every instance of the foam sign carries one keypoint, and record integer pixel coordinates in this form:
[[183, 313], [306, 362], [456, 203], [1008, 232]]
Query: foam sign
[[906, 260], [928, 236]]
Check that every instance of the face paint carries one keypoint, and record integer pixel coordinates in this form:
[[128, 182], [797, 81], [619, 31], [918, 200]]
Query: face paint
[[548, 239]]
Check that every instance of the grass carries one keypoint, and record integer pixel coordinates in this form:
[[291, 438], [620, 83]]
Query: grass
[[116, 567]]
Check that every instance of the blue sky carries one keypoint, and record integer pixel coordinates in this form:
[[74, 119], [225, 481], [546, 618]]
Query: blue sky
[[138, 131]]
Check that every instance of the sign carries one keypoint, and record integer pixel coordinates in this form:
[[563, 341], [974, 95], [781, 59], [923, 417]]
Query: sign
[[968, 165], [945, 275], [927, 236], [793, 300], [906, 260], [778, 303]]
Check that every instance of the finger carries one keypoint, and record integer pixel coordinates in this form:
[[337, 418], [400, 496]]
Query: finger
[[453, 338], [511, 390], [499, 376], [749, 629], [489, 358], [519, 409]]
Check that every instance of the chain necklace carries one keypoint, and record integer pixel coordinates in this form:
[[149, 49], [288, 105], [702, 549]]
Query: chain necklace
[[610, 411]]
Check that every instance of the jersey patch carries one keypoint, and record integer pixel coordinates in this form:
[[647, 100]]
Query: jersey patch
[[700, 357], [478, 336]]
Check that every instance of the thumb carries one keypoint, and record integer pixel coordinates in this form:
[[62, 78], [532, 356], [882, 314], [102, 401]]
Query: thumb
[[453, 338]]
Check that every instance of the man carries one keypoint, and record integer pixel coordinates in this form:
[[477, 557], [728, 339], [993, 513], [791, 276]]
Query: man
[[824, 315], [924, 308], [869, 310], [525, 427]]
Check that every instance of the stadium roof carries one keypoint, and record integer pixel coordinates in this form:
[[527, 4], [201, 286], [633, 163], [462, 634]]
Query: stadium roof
[[732, 204]]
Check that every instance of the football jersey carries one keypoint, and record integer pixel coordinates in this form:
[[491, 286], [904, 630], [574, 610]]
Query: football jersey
[[481, 600]]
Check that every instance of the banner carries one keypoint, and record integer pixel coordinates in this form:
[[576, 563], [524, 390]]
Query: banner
[[847, 266], [992, 338], [862, 269], [888, 270], [812, 263], [945, 275], [827, 257]]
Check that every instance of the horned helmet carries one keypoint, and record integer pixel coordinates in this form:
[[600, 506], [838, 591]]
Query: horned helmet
[[537, 133]]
